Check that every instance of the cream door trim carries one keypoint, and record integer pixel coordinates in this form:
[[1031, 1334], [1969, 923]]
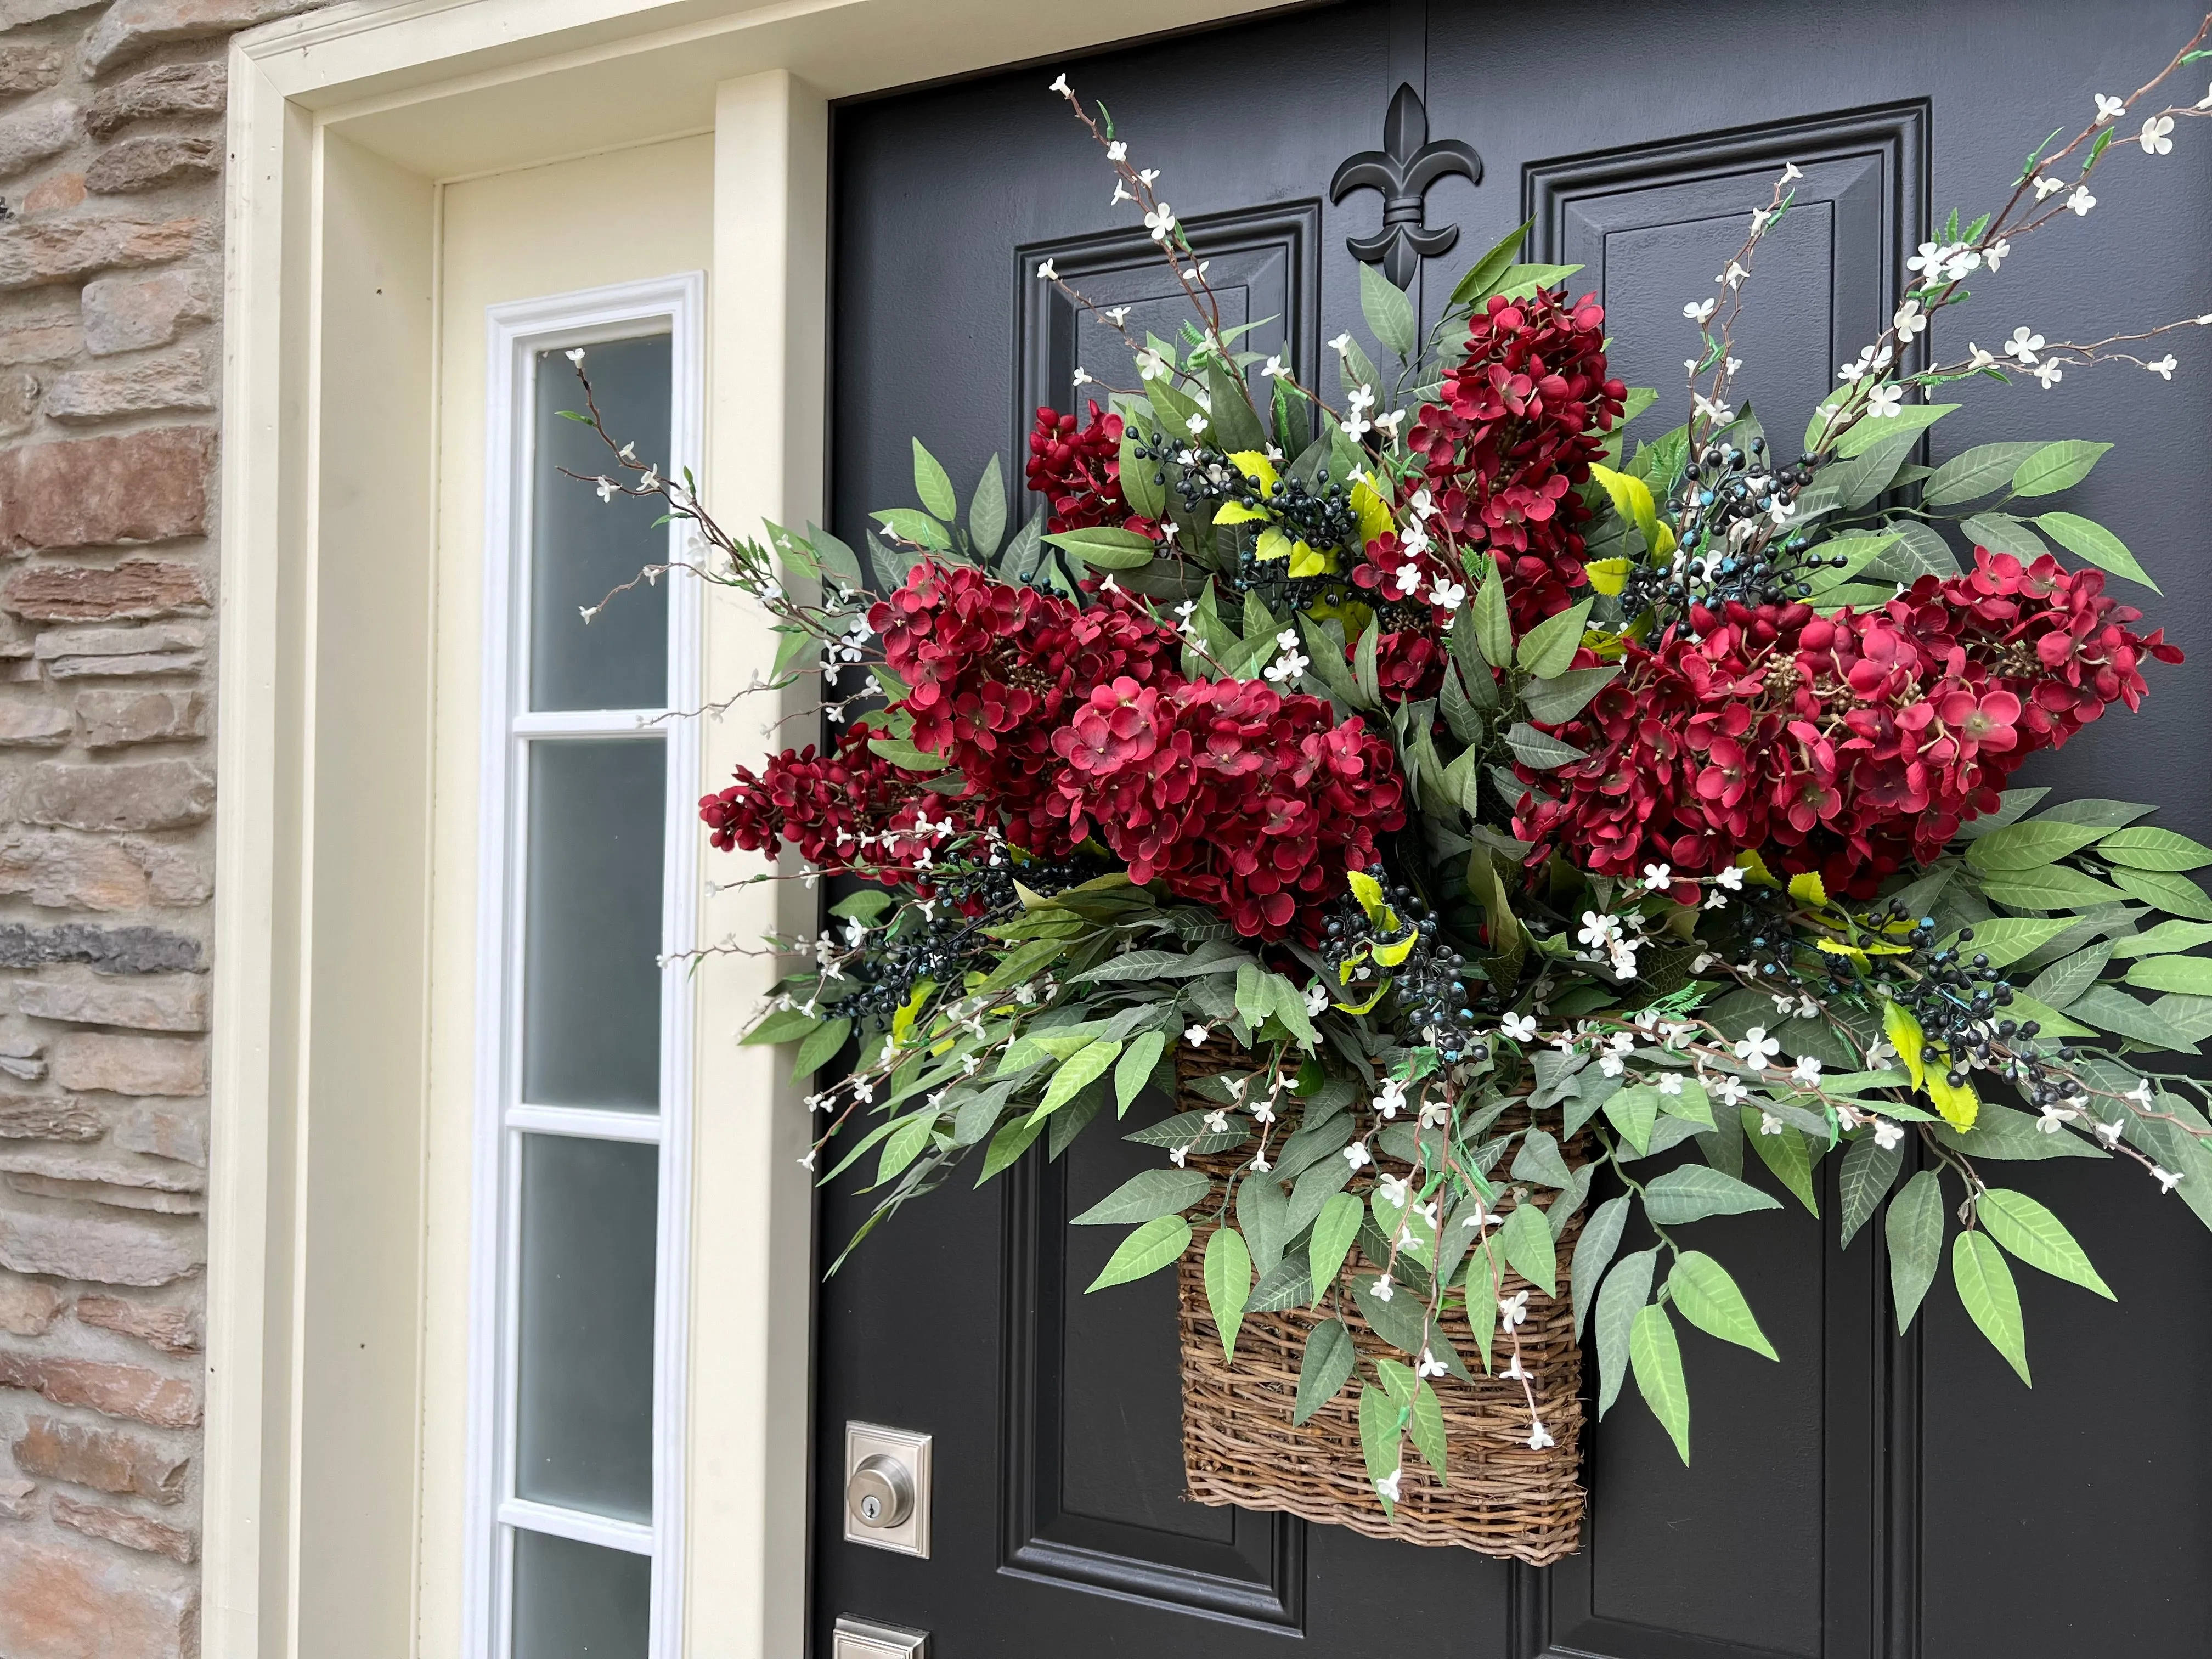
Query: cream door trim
[[344, 125]]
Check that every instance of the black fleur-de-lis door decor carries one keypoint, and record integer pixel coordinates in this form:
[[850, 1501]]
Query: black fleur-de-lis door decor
[[1402, 170]]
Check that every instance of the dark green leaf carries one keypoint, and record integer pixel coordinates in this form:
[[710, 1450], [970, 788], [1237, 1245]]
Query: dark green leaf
[[1328, 1365], [1870, 1170], [1554, 701], [1692, 1193], [2037, 1237], [820, 1048], [1228, 1284]]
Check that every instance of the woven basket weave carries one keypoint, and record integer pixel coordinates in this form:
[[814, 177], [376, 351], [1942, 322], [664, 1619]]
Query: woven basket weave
[[1240, 1448]]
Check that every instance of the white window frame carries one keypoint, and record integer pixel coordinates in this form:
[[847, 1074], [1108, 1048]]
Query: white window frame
[[517, 332]]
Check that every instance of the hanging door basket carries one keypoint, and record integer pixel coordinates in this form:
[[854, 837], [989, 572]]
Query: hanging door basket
[[1503, 1499]]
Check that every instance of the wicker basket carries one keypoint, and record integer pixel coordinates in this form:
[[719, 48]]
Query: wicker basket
[[1240, 1448]]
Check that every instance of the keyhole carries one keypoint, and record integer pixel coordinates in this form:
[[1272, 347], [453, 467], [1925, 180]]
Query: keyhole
[[872, 1509]]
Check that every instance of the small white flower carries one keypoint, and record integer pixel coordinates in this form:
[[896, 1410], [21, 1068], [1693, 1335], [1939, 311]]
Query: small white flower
[[1150, 365], [1382, 1288], [1731, 878], [1978, 358], [1731, 1091], [1929, 260], [1387, 1487], [2024, 344], [2081, 201], [1121, 195], [1715, 901], [2156, 137], [609, 490], [1273, 369], [2109, 109], [2167, 1180], [1196, 423], [2109, 1133], [1116, 314], [1451, 595], [1388, 424], [1161, 221], [1392, 1188], [1887, 1135], [575, 355], [1059, 85], [1757, 1048], [1539, 1436], [1356, 427], [1083, 376], [1147, 176], [1521, 1028], [1733, 277], [1046, 273], [1513, 1310], [1669, 1084], [1791, 171], [1429, 1365], [1701, 311], [1807, 1071], [1597, 931], [1341, 344], [1408, 578], [2049, 373], [1886, 400], [1316, 1000], [1612, 1065], [1176, 1155], [1435, 1114], [1217, 1121], [2055, 1117], [1357, 1155], [2163, 367], [1515, 1371], [1909, 321], [1392, 1097], [1996, 253], [1769, 1124], [1656, 876], [2046, 185], [1187, 611], [1117, 151], [1197, 1035], [1713, 408]]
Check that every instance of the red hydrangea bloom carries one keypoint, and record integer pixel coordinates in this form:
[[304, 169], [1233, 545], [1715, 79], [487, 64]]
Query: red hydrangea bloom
[[1849, 744], [1250, 802], [1514, 435], [1397, 579], [1079, 472], [991, 668], [839, 810]]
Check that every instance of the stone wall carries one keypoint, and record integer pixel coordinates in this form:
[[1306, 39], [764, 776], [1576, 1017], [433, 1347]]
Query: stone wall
[[111, 248]]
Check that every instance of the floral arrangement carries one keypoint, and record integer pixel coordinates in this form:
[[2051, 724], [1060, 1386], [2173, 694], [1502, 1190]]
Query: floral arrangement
[[1517, 823]]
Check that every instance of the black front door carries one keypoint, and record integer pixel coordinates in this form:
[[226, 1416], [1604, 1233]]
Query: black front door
[[1870, 1496]]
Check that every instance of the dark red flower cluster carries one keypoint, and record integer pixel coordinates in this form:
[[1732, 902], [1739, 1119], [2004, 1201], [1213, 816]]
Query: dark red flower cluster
[[991, 668], [1397, 579], [1516, 431], [1230, 792], [1079, 472], [838, 810], [1848, 744]]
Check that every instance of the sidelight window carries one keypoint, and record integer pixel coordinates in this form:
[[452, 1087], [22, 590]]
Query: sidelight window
[[584, 1041]]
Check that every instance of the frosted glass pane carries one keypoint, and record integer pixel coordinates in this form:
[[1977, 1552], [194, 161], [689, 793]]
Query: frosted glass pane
[[584, 1411], [583, 548], [579, 1600], [591, 1019]]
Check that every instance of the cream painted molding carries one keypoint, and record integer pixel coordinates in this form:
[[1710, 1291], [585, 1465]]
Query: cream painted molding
[[342, 122]]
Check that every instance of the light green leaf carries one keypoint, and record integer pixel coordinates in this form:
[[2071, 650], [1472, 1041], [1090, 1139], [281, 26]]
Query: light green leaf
[[1334, 1229], [1918, 551], [2085, 538], [1546, 650], [1482, 277], [1540, 749], [1518, 281], [1526, 1239], [1981, 471], [2037, 1237], [2007, 939], [2146, 847], [2029, 845], [905, 1144], [820, 1048], [1426, 1426], [1538, 1160], [1482, 1282], [1326, 1367], [1627, 1288], [1633, 1111], [1389, 314], [1077, 1072], [2054, 467], [2053, 887], [2191, 975], [1228, 1284], [1364, 671], [933, 486], [2157, 941], [2067, 978], [1913, 417], [1709, 1299], [784, 1025], [1378, 1439], [1104, 547], [2003, 1131], [1658, 1358], [2175, 894], [2109, 1009], [1147, 1197], [1556, 701], [1014, 1137], [1914, 1227], [1870, 1170], [2001, 532], [1600, 1237], [1137, 474], [1493, 626], [1786, 1154], [1693, 1192], [1262, 1207], [986, 511], [1158, 1243], [1991, 1300], [1134, 1068]]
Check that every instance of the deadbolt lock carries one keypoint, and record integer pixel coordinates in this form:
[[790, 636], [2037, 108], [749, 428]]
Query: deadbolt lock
[[887, 1488]]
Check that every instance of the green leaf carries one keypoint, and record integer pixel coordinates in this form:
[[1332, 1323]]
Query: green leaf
[[1991, 1300], [1134, 1068], [2175, 894], [2006, 939], [1918, 551], [905, 1144], [2166, 936], [1320, 1176], [1482, 277], [1517, 281], [2145, 847], [1981, 471], [1493, 626], [1103, 547], [1262, 1207], [2112, 1010], [2053, 887], [1870, 1170], [1658, 1358], [1158, 1243], [1540, 1160], [1633, 1111], [2054, 467], [1236, 426], [2037, 1237], [1147, 1197], [1693, 1192], [1137, 474], [2001, 532], [2086, 540], [1482, 1282], [1013, 1138], [1594, 1250], [1913, 417], [932, 487], [2029, 845], [1547, 648], [1327, 1366], [1709, 1299], [1334, 1229], [1364, 671], [2191, 975], [784, 1025], [1427, 1424], [1078, 1071], [1378, 1439], [2067, 978], [820, 1048], [1540, 749], [1627, 1288], [1526, 1239], [2002, 1132], [986, 511], [1784, 1153], [1390, 313], [1914, 1228], [1228, 1284], [1558, 700]]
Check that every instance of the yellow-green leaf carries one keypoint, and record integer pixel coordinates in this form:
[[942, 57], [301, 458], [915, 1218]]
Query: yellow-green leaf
[[1991, 1300], [1078, 1072], [1657, 1359], [1809, 889], [1903, 1029], [1369, 892], [1959, 1106]]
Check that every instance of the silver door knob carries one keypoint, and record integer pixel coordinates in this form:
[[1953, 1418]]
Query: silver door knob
[[880, 1492]]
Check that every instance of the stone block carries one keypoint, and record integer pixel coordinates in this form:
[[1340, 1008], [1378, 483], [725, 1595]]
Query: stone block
[[149, 163], [114, 1197], [132, 1531], [173, 1129], [107, 1460], [117, 720], [92, 492], [45, 250], [111, 950], [171, 90], [28, 136], [159, 794], [35, 725], [27, 1307], [55, 193], [156, 386], [65, 871], [28, 69], [133, 590], [170, 1002], [130, 1065], [42, 339], [19, 401], [61, 1601], [133, 313], [18, 1499], [74, 653], [132, 28], [173, 1330], [112, 1390], [58, 1164], [98, 1250], [48, 1117]]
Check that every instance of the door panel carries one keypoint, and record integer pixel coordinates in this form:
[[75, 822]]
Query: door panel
[[1871, 1497]]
